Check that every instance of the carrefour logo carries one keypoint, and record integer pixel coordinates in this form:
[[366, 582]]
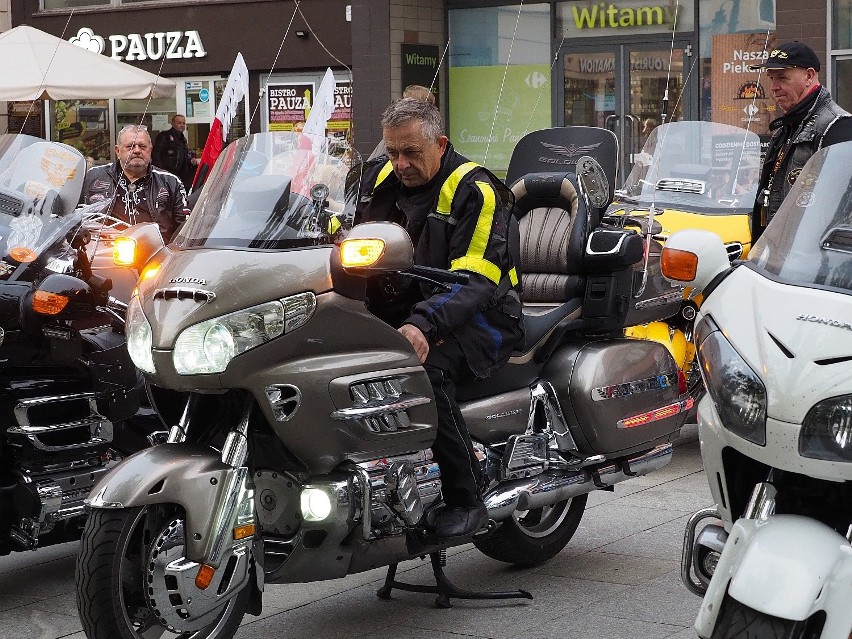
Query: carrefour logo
[[144, 46]]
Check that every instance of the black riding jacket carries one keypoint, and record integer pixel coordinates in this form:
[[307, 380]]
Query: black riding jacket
[[458, 221], [158, 196]]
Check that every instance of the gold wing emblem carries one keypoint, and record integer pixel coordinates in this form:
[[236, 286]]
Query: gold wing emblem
[[571, 151]]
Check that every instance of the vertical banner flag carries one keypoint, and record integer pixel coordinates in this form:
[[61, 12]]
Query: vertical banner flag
[[322, 107], [235, 91]]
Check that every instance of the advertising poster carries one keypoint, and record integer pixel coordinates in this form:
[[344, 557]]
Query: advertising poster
[[420, 66], [340, 121], [741, 97], [524, 107], [288, 105]]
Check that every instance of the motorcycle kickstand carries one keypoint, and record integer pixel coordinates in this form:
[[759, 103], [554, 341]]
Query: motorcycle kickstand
[[443, 587]]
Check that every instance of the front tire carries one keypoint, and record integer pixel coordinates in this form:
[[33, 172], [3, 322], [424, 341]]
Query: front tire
[[531, 537], [738, 621], [110, 577]]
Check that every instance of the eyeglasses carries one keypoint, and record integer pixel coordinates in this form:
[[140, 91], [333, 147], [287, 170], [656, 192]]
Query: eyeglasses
[[142, 145]]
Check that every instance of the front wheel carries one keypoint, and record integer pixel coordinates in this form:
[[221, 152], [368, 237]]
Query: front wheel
[[738, 621], [531, 537], [119, 579]]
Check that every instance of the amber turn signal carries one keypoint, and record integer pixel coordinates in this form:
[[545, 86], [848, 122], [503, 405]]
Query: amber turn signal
[[124, 251], [679, 265], [22, 254], [49, 303], [204, 576], [361, 252]]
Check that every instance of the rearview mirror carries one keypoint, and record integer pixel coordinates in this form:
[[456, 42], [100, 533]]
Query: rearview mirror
[[377, 247]]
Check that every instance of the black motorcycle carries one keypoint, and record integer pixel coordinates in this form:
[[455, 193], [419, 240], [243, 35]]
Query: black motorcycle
[[67, 384]]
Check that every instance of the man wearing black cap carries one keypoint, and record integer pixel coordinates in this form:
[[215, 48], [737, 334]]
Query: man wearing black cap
[[811, 121]]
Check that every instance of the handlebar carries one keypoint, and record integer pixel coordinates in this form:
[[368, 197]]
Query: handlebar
[[439, 275]]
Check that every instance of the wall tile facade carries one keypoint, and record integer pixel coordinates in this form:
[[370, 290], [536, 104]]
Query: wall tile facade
[[804, 21]]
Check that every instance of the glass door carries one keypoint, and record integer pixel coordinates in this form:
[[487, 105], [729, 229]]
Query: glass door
[[622, 88]]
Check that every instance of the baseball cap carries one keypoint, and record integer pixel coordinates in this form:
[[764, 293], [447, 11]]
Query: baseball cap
[[788, 55]]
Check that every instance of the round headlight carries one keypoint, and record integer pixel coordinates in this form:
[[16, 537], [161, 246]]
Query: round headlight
[[827, 430], [218, 346], [139, 338]]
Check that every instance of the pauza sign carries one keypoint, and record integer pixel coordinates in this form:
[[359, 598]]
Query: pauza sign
[[143, 46]]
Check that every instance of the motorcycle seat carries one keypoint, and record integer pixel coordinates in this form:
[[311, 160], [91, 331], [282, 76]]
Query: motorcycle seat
[[553, 224]]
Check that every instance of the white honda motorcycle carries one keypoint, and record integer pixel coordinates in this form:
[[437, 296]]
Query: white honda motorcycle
[[774, 340]]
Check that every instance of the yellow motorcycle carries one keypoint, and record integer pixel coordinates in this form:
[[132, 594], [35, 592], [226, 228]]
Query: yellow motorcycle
[[699, 175]]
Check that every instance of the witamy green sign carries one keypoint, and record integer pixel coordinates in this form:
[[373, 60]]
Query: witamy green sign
[[610, 16], [420, 66]]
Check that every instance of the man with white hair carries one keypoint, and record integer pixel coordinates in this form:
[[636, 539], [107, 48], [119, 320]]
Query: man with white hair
[[139, 191]]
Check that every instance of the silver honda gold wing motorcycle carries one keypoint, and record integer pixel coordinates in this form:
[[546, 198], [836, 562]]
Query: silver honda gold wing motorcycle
[[301, 423]]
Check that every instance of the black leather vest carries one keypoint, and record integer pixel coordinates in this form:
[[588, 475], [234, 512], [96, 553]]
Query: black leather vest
[[806, 140]]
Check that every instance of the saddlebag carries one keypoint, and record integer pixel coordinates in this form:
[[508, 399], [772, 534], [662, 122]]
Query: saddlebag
[[617, 395]]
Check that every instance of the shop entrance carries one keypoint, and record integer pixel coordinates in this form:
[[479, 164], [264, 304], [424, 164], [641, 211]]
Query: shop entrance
[[621, 87]]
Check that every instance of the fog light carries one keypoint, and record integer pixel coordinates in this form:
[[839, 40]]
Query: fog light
[[709, 562], [316, 504]]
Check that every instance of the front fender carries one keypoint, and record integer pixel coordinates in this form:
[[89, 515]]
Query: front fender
[[189, 475], [787, 566]]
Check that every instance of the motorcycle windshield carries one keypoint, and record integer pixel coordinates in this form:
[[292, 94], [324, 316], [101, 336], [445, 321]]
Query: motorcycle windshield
[[809, 240], [40, 185], [270, 191], [699, 166]]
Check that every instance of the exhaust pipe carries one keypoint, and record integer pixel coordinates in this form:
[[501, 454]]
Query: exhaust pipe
[[552, 487]]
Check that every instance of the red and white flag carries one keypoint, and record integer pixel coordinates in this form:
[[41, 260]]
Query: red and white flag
[[235, 92]]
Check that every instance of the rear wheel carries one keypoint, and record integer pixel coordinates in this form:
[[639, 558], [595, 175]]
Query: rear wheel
[[738, 621], [117, 577], [531, 537]]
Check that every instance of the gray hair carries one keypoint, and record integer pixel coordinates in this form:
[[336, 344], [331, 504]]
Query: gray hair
[[136, 129], [407, 109]]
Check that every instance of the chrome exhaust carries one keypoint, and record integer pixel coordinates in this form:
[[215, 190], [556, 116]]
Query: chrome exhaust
[[552, 487]]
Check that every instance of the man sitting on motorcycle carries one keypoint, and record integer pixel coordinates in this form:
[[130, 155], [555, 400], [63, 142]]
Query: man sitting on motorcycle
[[457, 214], [139, 191]]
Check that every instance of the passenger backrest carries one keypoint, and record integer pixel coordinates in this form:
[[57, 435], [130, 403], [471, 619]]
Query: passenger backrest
[[553, 227]]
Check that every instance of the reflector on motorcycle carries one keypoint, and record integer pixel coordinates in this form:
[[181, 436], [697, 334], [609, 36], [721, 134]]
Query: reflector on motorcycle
[[361, 252], [678, 265], [204, 576], [241, 532], [49, 303], [124, 251]]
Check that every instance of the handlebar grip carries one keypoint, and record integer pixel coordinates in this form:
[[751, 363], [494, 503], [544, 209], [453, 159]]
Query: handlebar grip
[[440, 275]]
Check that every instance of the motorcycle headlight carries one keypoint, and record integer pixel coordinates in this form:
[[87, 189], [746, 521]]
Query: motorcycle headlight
[[827, 430], [139, 340], [209, 347], [737, 392]]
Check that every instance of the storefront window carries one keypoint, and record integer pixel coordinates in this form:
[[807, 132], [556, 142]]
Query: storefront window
[[841, 44], [84, 124], [73, 4], [155, 114], [841, 23], [733, 35], [499, 79]]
